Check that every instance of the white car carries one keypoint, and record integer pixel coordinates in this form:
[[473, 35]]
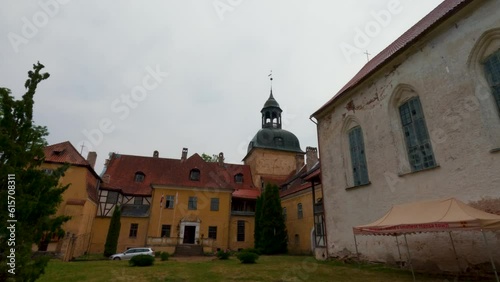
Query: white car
[[128, 254]]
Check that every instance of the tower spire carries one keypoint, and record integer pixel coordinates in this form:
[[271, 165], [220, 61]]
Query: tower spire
[[271, 79]]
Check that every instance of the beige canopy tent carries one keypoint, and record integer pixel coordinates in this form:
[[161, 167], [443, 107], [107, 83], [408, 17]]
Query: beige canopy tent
[[431, 216]]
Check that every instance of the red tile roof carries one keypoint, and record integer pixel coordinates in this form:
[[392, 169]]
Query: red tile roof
[[442, 12], [65, 152], [172, 172]]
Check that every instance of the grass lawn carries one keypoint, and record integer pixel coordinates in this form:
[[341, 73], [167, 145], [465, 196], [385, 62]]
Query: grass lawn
[[267, 268]]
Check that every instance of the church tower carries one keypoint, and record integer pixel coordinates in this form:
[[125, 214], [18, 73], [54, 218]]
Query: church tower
[[273, 152]]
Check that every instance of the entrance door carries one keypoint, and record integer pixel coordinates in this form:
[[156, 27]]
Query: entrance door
[[189, 232]]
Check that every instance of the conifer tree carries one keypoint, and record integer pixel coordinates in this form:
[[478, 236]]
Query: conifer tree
[[258, 217], [273, 234], [113, 233], [30, 197]]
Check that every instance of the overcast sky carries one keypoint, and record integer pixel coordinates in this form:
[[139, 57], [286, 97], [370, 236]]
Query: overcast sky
[[137, 76]]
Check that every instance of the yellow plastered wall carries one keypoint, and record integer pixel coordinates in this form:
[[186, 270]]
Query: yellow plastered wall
[[173, 216], [83, 213], [299, 230], [100, 231], [234, 244]]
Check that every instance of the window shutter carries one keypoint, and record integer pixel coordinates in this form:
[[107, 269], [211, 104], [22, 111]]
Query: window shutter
[[358, 159], [492, 71], [418, 143]]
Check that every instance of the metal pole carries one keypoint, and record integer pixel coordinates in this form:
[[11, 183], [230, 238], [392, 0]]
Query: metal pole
[[455, 251], [491, 257], [357, 252], [399, 252], [409, 258]]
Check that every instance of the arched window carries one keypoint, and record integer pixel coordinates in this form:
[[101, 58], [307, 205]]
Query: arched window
[[418, 142], [284, 214], [139, 176], [492, 72], [238, 178], [358, 158], [194, 175], [300, 213]]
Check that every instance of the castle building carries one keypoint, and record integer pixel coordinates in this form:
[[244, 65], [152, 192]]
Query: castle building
[[79, 200], [189, 206]]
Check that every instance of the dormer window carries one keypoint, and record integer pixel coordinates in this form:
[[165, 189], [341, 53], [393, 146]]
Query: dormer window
[[238, 178], [194, 175], [139, 176]]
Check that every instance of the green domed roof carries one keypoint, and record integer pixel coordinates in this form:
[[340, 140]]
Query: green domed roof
[[271, 102], [276, 139]]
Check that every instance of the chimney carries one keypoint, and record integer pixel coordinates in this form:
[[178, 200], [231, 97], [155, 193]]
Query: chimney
[[184, 154], [299, 162], [91, 158], [221, 159], [156, 154], [311, 157]]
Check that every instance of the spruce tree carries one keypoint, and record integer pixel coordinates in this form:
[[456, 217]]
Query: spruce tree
[[113, 233], [30, 197], [273, 236]]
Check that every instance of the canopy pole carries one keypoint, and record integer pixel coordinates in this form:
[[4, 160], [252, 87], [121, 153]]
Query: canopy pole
[[409, 258], [399, 252], [356, 246], [455, 251], [489, 253]]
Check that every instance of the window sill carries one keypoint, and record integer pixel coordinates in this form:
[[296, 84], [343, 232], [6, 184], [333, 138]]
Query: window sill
[[495, 150], [357, 186], [402, 174]]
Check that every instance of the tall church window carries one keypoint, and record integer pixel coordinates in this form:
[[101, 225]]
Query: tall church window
[[492, 71], [418, 143], [358, 159]]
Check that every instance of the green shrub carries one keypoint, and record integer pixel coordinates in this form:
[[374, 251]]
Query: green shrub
[[141, 260], [157, 254], [247, 257], [164, 256], [223, 254], [252, 250]]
